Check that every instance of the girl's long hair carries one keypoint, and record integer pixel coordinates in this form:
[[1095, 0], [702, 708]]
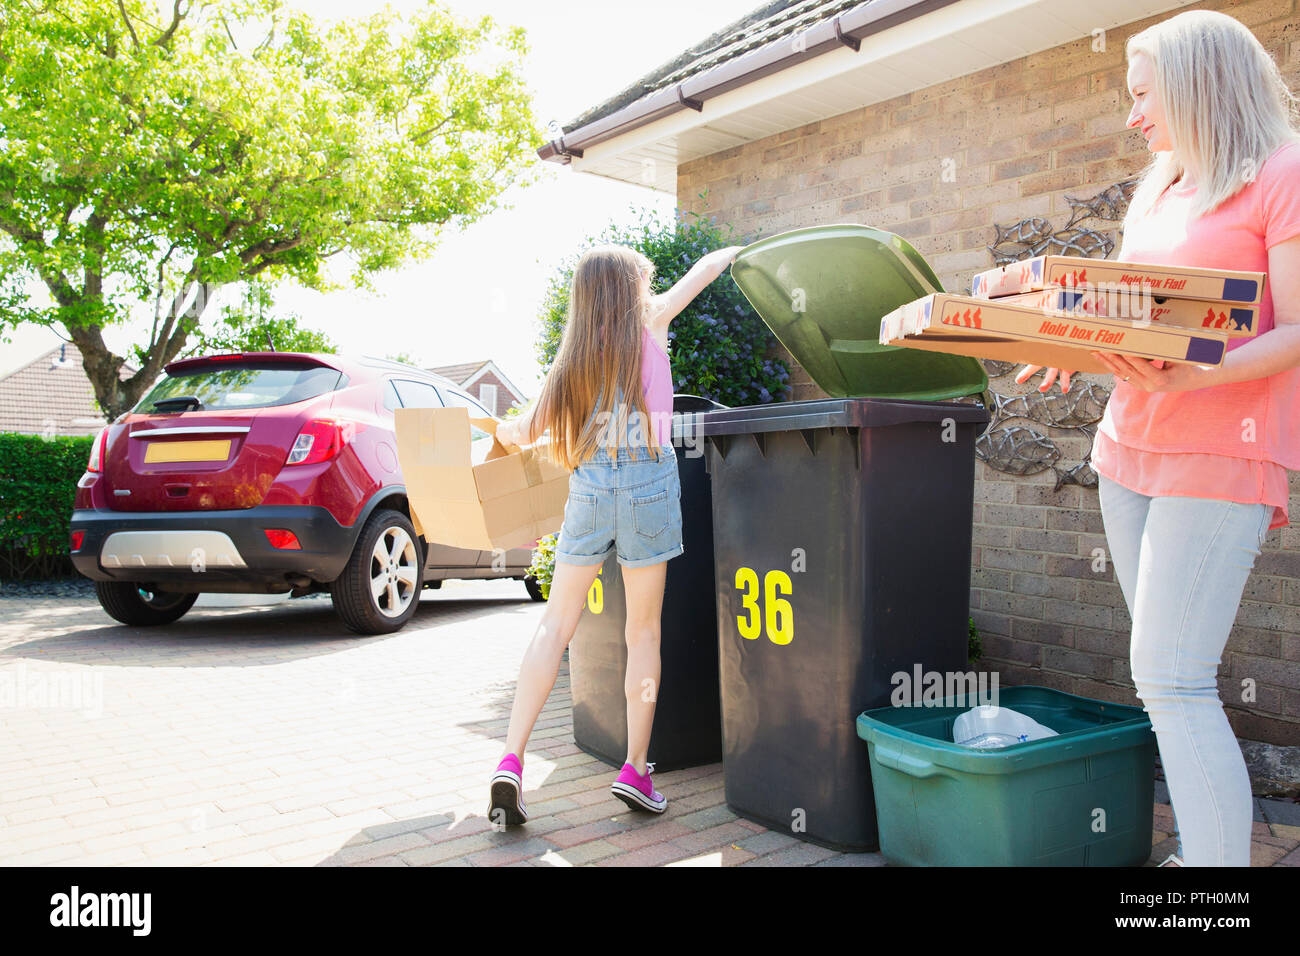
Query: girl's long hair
[[600, 352], [1227, 107]]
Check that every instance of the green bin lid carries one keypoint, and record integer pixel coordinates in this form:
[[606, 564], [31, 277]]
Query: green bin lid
[[823, 291]]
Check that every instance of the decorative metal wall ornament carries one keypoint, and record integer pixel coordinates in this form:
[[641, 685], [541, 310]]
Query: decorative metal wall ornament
[[1036, 237], [1026, 232], [1080, 242], [1066, 242], [1111, 203], [1081, 475], [1082, 405], [994, 368], [1016, 450]]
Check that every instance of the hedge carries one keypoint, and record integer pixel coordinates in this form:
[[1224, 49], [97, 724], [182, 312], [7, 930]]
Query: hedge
[[38, 481]]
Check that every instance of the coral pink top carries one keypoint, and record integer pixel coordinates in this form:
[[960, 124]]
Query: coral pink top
[[1231, 442], [657, 383]]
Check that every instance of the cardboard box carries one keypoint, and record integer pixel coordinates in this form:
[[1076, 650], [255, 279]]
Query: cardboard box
[[508, 500], [1043, 272], [1135, 305], [964, 325], [1007, 350]]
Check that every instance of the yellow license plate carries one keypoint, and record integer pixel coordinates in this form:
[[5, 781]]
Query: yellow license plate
[[165, 451]]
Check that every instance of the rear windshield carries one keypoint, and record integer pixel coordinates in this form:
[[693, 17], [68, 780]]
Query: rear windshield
[[241, 385]]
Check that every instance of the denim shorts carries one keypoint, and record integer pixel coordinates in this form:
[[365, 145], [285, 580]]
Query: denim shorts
[[617, 503]]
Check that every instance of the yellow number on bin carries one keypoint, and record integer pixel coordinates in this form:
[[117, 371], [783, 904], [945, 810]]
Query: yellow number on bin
[[746, 578], [780, 616], [596, 595]]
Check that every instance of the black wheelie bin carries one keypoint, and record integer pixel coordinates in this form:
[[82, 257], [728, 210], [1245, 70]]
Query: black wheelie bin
[[841, 548], [841, 529]]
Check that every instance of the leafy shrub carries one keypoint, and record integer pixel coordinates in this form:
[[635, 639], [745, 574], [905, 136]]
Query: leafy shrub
[[543, 566], [718, 344], [38, 481], [974, 646]]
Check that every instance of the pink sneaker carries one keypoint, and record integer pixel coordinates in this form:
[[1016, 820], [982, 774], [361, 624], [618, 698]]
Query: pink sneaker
[[637, 791], [506, 804]]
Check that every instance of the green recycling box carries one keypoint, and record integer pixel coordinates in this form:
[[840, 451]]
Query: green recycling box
[[841, 553], [1082, 798]]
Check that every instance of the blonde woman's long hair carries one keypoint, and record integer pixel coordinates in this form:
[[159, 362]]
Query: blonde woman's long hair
[[601, 346], [1227, 107]]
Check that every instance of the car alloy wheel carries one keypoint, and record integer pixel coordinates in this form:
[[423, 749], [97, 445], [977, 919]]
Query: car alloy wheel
[[394, 572], [379, 588]]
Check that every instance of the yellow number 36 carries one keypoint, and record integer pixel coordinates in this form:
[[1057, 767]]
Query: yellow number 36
[[779, 617]]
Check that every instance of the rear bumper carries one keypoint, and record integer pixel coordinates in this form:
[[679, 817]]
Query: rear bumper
[[212, 550]]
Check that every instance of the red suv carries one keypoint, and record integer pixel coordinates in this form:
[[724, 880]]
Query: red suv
[[266, 473]]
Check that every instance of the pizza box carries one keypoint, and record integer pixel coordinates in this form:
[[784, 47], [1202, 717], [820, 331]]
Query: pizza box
[[1139, 306], [1180, 282], [992, 329]]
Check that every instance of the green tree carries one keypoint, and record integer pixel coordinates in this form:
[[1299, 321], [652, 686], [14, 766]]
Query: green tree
[[250, 326], [144, 164]]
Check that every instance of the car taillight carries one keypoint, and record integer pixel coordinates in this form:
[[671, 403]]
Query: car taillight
[[320, 440], [283, 539], [96, 462], [77, 538]]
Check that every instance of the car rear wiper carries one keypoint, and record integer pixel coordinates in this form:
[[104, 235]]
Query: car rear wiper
[[178, 403]]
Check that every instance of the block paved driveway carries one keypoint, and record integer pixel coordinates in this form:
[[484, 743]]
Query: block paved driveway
[[274, 736]]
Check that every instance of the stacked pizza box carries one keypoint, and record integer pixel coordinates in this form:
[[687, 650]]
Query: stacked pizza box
[[1057, 310]]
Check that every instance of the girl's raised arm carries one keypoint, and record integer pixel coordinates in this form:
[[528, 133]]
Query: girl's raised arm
[[669, 305]]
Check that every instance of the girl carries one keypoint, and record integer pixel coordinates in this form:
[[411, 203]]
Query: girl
[[1192, 461], [623, 493]]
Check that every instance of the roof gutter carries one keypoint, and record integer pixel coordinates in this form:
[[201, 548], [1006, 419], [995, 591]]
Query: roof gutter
[[847, 29]]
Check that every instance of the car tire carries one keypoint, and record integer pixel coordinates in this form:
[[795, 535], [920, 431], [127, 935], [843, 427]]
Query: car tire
[[534, 589], [378, 595], [131, 604]]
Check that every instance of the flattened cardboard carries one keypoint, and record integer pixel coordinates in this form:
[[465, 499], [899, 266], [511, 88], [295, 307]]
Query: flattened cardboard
[[509, 500], [1068, 272], [1007, 350], [985, 328], [1128, 306]]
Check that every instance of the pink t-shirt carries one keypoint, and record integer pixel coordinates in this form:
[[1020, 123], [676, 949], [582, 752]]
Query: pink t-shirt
[[657, 383], [1231, 442]]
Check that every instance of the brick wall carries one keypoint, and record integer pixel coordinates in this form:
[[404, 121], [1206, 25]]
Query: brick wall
[[1015, 139]]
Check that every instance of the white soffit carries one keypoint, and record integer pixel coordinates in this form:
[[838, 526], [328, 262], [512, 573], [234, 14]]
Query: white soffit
[[953, 41]]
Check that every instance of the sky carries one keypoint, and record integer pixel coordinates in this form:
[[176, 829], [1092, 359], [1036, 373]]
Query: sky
[[480, 294]]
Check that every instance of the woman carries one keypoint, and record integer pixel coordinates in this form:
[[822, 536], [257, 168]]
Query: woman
[[1192, 461]]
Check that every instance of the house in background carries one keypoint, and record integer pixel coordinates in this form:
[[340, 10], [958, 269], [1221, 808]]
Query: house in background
[[51, 395], [940, 121], [486, 382]]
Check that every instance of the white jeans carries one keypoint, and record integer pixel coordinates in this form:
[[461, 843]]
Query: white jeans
[[1182, 564]]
